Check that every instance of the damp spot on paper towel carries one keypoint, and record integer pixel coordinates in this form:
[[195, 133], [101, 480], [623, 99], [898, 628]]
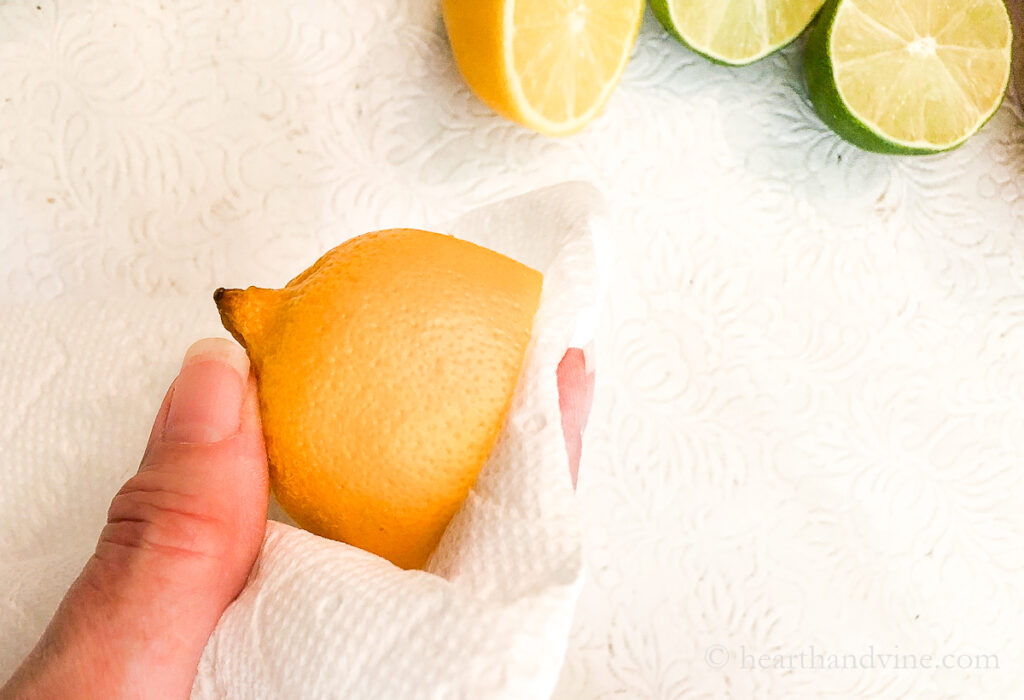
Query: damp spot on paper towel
[[535, 424]]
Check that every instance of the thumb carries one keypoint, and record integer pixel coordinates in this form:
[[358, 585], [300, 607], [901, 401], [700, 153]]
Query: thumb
[[181, 537]]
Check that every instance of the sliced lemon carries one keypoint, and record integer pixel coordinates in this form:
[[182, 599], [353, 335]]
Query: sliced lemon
[[548, 64], [909, 76], [735, 32]]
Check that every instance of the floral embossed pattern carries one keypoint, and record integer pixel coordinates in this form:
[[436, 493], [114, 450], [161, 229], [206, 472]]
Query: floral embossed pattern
[[809, 425]]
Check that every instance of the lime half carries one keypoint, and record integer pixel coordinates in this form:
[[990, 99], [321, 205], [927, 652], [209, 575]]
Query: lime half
[[908, 76], [735, 32]]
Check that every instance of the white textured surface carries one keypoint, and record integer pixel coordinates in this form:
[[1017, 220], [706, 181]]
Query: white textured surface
[[809, 425]]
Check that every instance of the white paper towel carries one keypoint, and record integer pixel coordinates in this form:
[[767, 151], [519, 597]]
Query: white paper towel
[[491, 616]]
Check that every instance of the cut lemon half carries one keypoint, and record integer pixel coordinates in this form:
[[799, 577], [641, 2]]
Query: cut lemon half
[[735, 32], [548, 64], [908, 76]]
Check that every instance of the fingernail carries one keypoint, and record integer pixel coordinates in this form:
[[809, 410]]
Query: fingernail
[[206, 399]]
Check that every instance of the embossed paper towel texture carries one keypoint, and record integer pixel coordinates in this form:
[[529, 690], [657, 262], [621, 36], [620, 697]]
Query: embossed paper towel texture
[[808, 424]]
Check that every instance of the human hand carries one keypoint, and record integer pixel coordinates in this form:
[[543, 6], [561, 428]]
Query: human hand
[[182, 536]]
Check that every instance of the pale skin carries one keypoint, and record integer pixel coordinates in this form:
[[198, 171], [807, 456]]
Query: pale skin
[[182, 535]]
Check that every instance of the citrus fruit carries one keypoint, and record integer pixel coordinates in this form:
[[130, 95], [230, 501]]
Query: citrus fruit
[[548, 64], [384, 373], [908, 76], [735, 32]]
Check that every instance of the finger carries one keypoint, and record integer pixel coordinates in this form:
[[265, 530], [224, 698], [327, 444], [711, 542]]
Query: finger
[[575, 396], [210, 349], [201, 489], [181, 538]]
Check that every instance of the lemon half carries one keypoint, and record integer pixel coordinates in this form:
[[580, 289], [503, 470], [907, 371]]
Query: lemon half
[[550, 65]]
